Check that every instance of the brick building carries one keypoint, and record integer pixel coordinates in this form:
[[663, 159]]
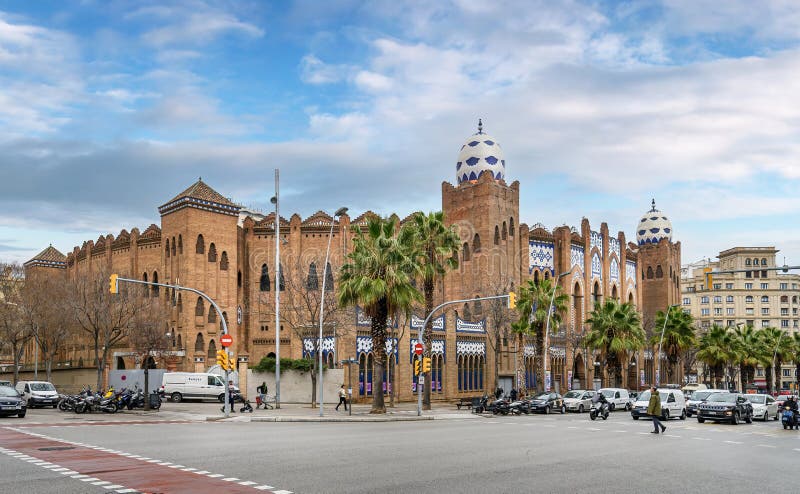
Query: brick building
[[208, 242]]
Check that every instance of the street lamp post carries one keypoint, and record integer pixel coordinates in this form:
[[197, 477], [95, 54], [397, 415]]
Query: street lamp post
[[274, 200], [339, 212], [545, 353], [660, 341]]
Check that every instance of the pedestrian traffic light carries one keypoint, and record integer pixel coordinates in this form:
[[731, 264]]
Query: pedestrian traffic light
[[512, 300], [223, 361], [231, 362], [709, 278], [114, 284], [416, 366], [426, 364]]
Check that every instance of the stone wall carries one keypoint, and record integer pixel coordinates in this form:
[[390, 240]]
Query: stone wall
[[296, 385]]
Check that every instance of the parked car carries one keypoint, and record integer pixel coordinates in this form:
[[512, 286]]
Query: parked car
[[38, 393], [698, 397], [691, 388], [178, 386], [11, 403], [673, 404], [618, 398], [764, 406], [547, 402], [578, 400], [725, 407], [5, 383]]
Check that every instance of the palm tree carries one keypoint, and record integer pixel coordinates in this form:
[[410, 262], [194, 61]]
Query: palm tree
[[716, 350], [775, 343], [615, 329], [679, 336], [378, 276], [535, 298], [749, 353], [435, 250]]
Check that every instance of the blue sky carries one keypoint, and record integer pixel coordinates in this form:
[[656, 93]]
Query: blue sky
[[110, 108]]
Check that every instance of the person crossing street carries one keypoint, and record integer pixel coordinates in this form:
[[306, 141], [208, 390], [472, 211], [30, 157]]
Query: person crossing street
[[654, 410]]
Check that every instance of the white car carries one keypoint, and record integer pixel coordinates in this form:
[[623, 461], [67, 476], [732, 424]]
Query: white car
[[764, 406], [578, 400], [673, 404], [618, 398], [38, 393]]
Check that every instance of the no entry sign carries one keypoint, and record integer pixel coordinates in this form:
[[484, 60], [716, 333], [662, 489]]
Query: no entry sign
[[226, 340], [418, 349]]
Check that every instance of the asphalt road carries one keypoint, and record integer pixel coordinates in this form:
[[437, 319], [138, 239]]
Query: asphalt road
[[499, 454]]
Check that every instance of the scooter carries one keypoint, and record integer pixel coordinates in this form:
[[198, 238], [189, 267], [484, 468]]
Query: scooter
[[789, 419], [599, 410], [501, 406]]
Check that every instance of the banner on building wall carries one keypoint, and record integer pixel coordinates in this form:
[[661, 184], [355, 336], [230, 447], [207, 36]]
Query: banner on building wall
[[641, 377], [658, 377], [547, 381], [569, 380]]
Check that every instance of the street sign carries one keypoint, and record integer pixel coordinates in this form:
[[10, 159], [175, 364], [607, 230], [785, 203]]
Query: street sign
[[421, 380], [418, 349], [226, 340]]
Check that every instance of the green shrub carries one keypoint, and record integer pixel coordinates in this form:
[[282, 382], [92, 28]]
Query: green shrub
[[267, 364]]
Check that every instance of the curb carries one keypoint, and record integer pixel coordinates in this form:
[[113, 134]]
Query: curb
[[322, 419]]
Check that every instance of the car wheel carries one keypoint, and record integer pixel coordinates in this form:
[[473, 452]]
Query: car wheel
[[177, 397], [665, 415], [749, 418], [683, 415], [580, 409], [611, 407], [547, 410], [700, 420], [563, 409], [21, 415], [735, 419], [628, 407], [635, 417], [775, 417]]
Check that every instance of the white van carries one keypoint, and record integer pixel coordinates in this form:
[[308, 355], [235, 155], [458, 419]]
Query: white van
[[38, 393], [178, 386], [673, 404], [691, 388], [618, 398]]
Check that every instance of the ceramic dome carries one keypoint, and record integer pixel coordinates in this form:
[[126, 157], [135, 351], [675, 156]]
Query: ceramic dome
[[480, 153], [653, 227]]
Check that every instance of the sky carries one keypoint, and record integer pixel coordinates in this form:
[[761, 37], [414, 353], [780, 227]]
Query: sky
[[108, 109]]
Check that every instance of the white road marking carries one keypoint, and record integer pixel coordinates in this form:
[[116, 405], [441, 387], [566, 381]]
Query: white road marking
[[735, 442], [765, 445]]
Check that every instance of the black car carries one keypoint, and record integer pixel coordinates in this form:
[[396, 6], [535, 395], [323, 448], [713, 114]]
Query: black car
[[725, 407], [11, 403], [547, 402]]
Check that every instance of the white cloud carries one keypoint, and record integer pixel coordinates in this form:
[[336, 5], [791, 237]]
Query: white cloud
[[315, 71]]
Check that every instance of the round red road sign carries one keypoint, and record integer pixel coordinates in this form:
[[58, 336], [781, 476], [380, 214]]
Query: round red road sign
[[418, 349], [226, 340]]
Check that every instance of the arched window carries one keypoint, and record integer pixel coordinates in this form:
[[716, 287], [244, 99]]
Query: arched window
[[312, 282], [476, 243], [180, 343], [748, 299], [263, 281], [212, 314], [200, 248], [496, 235], [659, 272], [536, 277], [173, 246], [467, 315], [212, 351], [212, 253], [596, 293], [200, 308], [329, 279], [478, 308], [281, 281], [239, 278], [223, 262], [504, 232], [155, 280], [614, 292], [763, 261], [755, 261], [180, 303], [166, 249], [747, 262], [465, 252], [180, 244], [547, 274], [511, 226], [199, 344], [650, 274]]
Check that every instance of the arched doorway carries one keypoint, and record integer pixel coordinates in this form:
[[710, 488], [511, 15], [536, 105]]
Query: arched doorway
[[120, 363], [596, 294], [633, 373], [614, 293], [577, 306], [579, 373]]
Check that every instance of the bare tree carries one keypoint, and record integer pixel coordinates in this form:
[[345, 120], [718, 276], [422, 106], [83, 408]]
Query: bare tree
[[500, 316], [14, 330], [105, 317], [147, 336]]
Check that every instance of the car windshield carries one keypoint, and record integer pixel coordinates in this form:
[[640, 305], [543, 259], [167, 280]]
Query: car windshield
[[699, 395], [573, 394], [542, 396], [722, 397], [42, 387], [608, 393], [645, 396], [760, 399], [7, 391]]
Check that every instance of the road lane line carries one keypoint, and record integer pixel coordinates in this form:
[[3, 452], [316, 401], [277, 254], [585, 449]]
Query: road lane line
[[735, 442]]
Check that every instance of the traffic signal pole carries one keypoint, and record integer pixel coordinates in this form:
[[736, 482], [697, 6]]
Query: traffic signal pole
[[510, 296], [114, 288]]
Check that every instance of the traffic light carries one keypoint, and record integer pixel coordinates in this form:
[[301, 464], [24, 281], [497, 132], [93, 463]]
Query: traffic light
[[113, 284], [426, 364], [225, 362], [512, 300], [709, 278], [231, 363], [416, 367]]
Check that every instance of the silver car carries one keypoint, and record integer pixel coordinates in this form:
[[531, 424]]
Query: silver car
[[764, 406], [578, 400]]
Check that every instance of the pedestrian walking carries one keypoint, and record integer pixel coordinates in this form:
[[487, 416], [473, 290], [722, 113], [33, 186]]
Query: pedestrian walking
[[654, 410], [513, 394], [342, 398], [498, 393], [231, 395], [262, 395]]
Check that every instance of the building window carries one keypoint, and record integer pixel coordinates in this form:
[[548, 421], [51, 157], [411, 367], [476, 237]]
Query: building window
[[650, 274], [763, 274], [690, 289], [796, 323], [748, 274], [263, 281], [731, 322], [180, 303], [212, 315], [717, 299], [717, 311], [705, 324], [765, 311], [199, 309], [200, 247], [312, 282], [755, 262], [504, 232], [730, 311], [765, 286], [329, 279], [749, 311], [223, 262], [763, 261], [174, 247], [180, 244], [784, 286], [748, 286], [786, 372], [687, 301], [747, 262], [760, 372], [717, 286], [765, 299], [765, 323], [729, 286], [166, 249], [511, 226], [750, 322], [729, 299], [705, 312], [212, 253], [784, 323], [496, 235], [704, 299], [784, 311], [281, 281], [476, 243], [659, 272], [465, 252]]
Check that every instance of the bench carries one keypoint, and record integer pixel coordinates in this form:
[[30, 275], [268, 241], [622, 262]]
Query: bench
[[467, 402]]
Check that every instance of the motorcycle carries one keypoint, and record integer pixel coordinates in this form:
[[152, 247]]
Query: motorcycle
[[599, 410], [137, 400], [519, 407], [96, 403], [501, 406], [789, 419], [482, 405]]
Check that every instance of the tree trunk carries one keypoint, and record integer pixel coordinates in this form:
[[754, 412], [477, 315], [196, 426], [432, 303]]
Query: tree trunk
[[427, 336], [147, 385], [542, 353], [49, 368], [379, 354], [520, 364], [16, 349], [496, 360], [97, 363], [768, 378]]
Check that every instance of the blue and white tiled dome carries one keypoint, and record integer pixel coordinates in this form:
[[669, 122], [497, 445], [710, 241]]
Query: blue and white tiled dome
[[480, 152], [653, 227]]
